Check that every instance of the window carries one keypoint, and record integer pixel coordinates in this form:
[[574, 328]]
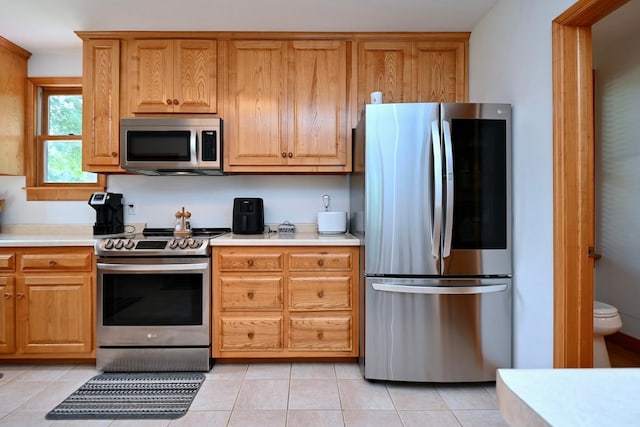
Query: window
[[54, 154]]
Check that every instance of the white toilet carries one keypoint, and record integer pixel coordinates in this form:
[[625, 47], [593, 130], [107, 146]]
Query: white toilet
[[606, 321]]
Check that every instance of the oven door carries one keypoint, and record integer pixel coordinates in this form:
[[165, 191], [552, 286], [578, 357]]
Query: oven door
[[153, 302]]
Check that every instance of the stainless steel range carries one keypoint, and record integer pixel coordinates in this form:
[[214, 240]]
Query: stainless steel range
[[154, 298]]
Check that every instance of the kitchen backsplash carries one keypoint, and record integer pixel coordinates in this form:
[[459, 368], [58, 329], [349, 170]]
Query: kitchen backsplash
[[294, 198]]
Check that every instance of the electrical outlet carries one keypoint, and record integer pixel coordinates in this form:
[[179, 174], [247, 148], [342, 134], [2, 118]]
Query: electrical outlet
[[131, 209]]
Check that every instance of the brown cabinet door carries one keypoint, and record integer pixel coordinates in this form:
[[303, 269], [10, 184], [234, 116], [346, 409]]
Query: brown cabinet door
[[13, 92], [257, 103], [54, 315], [319, 134], [151, 76], [101, 106], [195, 76], [441, 72], [7, 315], [384, 66]]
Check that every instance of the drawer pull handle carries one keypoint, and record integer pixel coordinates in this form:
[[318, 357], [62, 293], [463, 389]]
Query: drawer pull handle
[[250, 295], [320, 294], [320, 335], [321, 262], [250, 263], [52, 263], [7, 295], [19, 295], [250, 335]]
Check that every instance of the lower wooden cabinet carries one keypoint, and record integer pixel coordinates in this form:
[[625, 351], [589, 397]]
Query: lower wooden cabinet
[[289, 302], [47, 307]]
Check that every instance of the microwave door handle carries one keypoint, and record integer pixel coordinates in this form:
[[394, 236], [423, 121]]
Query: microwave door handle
[[437, 190], [194, 151], [449, 191]]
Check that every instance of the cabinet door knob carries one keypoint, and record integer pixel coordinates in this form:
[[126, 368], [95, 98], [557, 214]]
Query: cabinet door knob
[[176, 102], [284, 155], [320, 294], [169, 101], [52, 263], [114, 154], [250, 294], [19, 295], [7, 295], [320, 263], [250, 335], [250, 263], [320, 335], [290, 154]]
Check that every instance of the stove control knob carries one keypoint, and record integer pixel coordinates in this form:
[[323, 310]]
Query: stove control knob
[[195, 244], [119, 244], [173, 244], [184, 244], [129, 244], [108, 244]]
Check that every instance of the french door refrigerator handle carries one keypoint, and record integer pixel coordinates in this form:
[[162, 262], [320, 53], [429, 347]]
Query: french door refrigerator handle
[[439, 290], [437, 190], [448, 155]]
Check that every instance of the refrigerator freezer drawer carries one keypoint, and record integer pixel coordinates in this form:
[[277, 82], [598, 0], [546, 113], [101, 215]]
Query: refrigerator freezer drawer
[[437, 330]]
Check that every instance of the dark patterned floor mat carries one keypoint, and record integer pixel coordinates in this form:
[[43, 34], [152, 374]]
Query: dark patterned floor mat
[[131, 395]]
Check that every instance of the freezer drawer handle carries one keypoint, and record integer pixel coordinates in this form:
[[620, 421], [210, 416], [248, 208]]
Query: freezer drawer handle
[[441, 290]]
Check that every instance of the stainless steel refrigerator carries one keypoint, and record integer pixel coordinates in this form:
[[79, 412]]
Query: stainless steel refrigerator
[[431, 200]]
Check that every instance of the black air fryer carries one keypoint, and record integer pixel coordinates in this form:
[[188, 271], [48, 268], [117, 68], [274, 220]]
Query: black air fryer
[[248, 216]]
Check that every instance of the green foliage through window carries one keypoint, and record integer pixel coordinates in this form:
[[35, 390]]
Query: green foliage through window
[[62, 158], [65, 115]]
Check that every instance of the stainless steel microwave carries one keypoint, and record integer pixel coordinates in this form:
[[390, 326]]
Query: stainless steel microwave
[[171, 146]]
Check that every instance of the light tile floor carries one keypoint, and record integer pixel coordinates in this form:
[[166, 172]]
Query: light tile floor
[[265, 395]]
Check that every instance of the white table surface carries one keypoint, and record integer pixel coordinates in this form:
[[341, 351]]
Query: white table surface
[[570, 397]]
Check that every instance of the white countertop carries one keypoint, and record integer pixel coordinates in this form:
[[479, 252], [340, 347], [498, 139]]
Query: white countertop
[[286, 239], [569, 397], [82, 235]]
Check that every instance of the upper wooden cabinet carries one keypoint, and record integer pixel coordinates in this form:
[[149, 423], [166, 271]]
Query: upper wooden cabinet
[[413, 70], [172, 76], [286, 108], [101, 106], [288, 100], [13, 92]]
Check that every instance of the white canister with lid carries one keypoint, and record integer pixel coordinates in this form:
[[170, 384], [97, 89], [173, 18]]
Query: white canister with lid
[[331, 222]]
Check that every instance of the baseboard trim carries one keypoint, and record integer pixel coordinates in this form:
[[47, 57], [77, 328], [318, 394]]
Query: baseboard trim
[[626, 341]]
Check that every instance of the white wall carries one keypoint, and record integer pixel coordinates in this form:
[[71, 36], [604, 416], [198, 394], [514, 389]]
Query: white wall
[[617, 95], [510, 61]]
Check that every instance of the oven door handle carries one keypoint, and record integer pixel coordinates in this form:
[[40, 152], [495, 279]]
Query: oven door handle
[[152, 267]]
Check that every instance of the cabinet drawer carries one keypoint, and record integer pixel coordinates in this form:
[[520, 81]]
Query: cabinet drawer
[[230, 261], [251, 293], [7, 262], [251, 333], [80, 261], [320, 333], [319, 293], [329, 260]]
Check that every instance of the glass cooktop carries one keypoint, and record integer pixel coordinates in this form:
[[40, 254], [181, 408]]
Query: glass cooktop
[[205, 232]]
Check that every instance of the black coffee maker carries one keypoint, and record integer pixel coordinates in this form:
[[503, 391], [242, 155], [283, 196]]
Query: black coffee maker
[[109, 213]]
